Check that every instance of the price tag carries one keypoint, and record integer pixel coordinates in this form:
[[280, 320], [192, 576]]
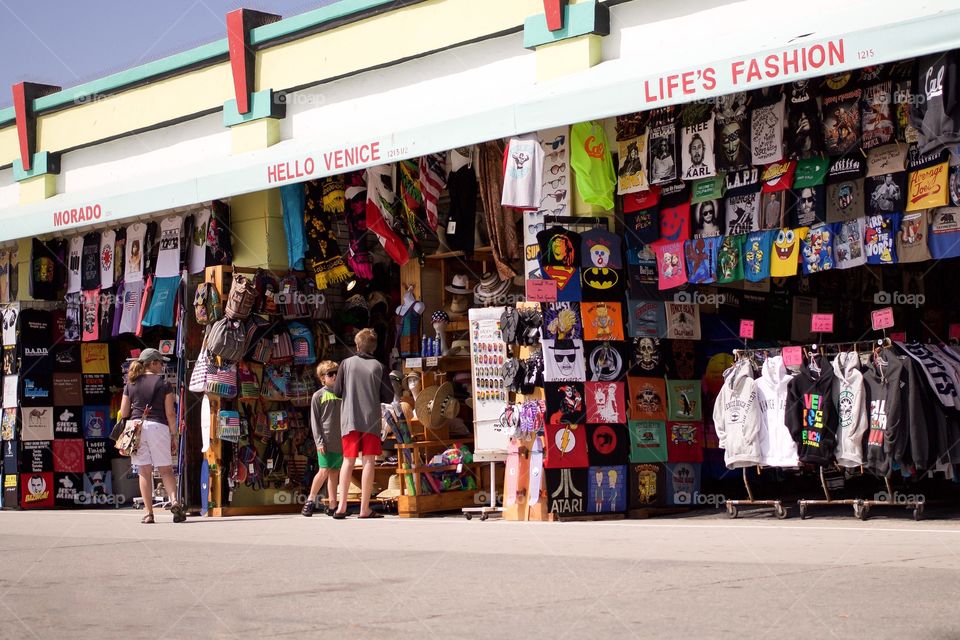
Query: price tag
[[460, 468], [792, 356], [541, 290], [333, 339], [954, 332], [746, 329], [250, 468], [452, 226], [230, 497], [414, 363], [821, 323], [270, 464], [431, 362], [898, 336], [881, 318]]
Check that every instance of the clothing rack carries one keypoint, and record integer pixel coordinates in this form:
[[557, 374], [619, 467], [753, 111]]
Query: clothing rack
[[733, 505]]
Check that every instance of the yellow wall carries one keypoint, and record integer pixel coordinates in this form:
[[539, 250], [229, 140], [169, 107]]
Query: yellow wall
[[9, 147]]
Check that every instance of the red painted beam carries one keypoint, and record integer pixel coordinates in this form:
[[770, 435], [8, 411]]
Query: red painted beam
[[554, 10], [24, 93], [242, 57]]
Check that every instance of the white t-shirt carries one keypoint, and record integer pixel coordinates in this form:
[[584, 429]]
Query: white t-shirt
[[132, 297], [848, 248], [696, 152], [524, 167], [766, 133], [197, 260], [136, 234], [168, 259], [73, 264], [108, 241]]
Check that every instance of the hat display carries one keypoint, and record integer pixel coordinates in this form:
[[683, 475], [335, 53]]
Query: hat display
[[459, 348], [439, 316], [393, 488], [460, 285], [436, 404], [458, 305], [375, 299], [491, 289]]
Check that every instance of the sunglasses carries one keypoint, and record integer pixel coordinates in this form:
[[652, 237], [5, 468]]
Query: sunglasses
[[558, 168], [557, 195], [534, 229], [569, 357], [557, 142], [559, 210], [332, 374], [555, 155], [559, 182]]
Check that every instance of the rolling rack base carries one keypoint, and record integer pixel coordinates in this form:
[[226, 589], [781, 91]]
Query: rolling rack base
[[861, 507], [733, 506]]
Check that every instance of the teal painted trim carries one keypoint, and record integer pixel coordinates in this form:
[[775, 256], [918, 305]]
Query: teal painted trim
[[578, 20], [43, 163], [164, 66], [304, 21], [7, 115], [263, 104]]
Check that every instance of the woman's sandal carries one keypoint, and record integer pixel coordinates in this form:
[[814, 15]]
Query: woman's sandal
[[147, 519], [179, 515]]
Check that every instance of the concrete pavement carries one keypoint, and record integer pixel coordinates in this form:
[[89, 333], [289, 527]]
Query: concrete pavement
[[101, 574]]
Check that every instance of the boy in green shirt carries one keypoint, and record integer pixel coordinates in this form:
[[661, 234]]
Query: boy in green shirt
[[325, 423]]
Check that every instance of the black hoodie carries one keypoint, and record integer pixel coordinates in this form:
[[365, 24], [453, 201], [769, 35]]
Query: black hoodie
[[886, 381], [810, 415]]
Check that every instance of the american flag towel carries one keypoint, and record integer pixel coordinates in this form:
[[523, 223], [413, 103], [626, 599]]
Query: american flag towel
[[433, 178]]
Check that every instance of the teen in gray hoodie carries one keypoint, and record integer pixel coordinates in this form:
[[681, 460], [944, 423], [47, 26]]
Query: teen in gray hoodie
[[736, 418], [850, 398]]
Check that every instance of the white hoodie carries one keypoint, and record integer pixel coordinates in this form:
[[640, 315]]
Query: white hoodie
[[736, 419], [851, 409], [777, 448]]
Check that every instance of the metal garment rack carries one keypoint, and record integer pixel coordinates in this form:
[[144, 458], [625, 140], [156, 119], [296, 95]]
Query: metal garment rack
[[733, 505]]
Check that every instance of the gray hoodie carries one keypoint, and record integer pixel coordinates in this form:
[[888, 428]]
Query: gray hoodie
[[736, 418], [849, 394]]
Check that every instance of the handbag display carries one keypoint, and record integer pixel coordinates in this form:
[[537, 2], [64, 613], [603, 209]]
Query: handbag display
[[201, 369], [248, 379], [222, 380], [276, 379], [129, 441], [300, 389], [228, 426]]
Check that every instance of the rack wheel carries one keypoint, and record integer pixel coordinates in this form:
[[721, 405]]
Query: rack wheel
[[468, 516], [918, 512], [803, 512], [781, 511], [483, 517], [862, 511], [732, 511]]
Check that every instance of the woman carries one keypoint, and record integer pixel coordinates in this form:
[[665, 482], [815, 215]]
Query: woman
[[146, 388]]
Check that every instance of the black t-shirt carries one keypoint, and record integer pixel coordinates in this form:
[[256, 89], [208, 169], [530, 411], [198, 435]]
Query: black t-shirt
[[90, 262], [149, 390], [462, 215], [43, 271]]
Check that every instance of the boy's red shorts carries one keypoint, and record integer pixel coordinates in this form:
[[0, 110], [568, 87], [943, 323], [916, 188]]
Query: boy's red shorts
[[356, 444]]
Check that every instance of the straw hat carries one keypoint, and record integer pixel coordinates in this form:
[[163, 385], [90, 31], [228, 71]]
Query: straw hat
[[460, 285], [458, 306], [436, 404], [393, 488], [459, 348]]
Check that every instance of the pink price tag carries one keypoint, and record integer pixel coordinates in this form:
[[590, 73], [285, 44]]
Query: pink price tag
[[746, 329], [954, 332], [541, 290], [881, 318], [792, 356], [898, 336], [821, 323]]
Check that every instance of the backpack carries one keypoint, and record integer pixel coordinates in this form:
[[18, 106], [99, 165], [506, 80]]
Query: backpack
[[242, 298], [292, 299], [226, 338], [302, 338], [268, 286], [317, 307], [281, 351], [207, 305]]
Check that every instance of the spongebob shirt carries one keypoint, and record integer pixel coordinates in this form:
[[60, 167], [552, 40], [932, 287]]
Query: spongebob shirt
[[817, 249], [880, 238], [756, 255], [848, 248], [701, 254], [730, 259], [786, 251], [912, 238], [671, 267]]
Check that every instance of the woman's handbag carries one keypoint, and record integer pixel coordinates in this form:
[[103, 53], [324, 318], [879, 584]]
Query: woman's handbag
[[129, 441], [228, 426], [222, 380], [201, 369]]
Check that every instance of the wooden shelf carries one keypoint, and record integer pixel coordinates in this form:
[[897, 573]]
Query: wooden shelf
[[416, 506], [479, 254]]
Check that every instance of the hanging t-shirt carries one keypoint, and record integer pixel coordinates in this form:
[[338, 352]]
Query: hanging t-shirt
[[937, 117], [729, 259], [563, 361], [808, 205], [631, 169], [785, 256], [766, 131], [132, 298], [168, 258], [707, 218], [119, 255], [880, 238], [640, 228], [592, 163], [90, 314], [675, 222], [662, 147], [877, 116], [43, 285], [646, 318], [804, 135], [160, 311], [90, 262], [742, 202], [696, 150], [845, 189], [817, 249], [559, 258], [841, 114], [927, 181], [108, 240], [72, 328], [912, 238], [601, 272], [945, 233], [561, 321], [701, 255], [602, 320], [648, 395], [607, 361], [135, 247], [198, 240], [756, 255], [732, 126], [848, 248], [74, 252], [671, 267], [523, 169]]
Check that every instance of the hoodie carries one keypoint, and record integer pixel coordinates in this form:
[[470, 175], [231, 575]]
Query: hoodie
[[884, 380], [850, 398], [736, 417], [777, 448], [809, 415]]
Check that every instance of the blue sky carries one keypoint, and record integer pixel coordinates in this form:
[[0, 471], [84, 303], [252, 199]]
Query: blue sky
[[68, 42]]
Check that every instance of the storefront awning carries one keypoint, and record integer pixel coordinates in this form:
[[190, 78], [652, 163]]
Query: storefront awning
[[734, 47]]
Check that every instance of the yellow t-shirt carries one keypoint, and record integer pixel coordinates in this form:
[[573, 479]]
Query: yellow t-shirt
[[785, 256]]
